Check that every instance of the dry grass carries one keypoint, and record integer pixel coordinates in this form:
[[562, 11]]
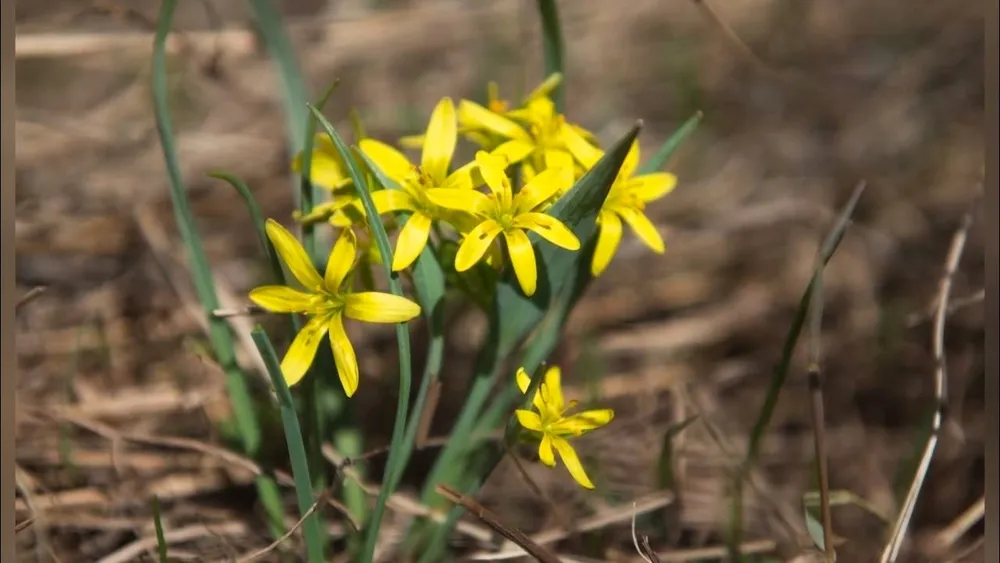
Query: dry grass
[[802, 100]]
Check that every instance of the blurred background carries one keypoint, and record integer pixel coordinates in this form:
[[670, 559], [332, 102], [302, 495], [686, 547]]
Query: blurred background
[[802, 100]]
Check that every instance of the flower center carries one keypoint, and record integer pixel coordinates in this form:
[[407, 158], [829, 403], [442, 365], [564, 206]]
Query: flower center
[[325, 303]]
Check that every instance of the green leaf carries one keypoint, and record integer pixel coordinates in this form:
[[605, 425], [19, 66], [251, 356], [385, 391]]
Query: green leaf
[[396, 459], [161, 540], [671, 145], [552, 46], [296, 447]]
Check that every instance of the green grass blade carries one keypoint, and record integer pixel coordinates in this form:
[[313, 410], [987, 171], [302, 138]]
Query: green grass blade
[[161, 540], [671, 145], [269, 23], [783, 367], [309, 193], [312, 530], [402, 335], [552, 48], [219, 333]]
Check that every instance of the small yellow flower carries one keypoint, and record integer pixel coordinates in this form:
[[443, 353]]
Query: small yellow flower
[[326, 168], [545, 141], [553, 425], [438, 149], [509, 214], [327, 300], [627, 201]]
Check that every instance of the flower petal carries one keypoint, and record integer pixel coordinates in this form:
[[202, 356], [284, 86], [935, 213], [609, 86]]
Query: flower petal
[[439, 144], [569, 457], [341, 260], [492, 168], [542, 187], [343, 356], [392, 201], [522, 256], [631, 162], [581, 423], [609, 237], [377, 307], [514, 150], [302, 351], [471, 114], [529, 420], [545, 453], [293, 255], [584, 152], [412, 240], [391, 161], [281, 299], [649, 187], [553, 389], [469, 201], [549, 228], [523, 383], [475, 244], [558, 159], [544, 89], [643, 228]]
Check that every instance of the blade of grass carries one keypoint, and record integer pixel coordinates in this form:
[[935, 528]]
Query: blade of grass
[[671, 145], [161, 541], [552, 48], [312, 530], [781, 370], [377, 229]]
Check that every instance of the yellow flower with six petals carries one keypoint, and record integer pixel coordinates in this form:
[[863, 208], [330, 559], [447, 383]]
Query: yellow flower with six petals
[[503, 212], [553, 425], [415, 181], [627, 201], [326, 300]]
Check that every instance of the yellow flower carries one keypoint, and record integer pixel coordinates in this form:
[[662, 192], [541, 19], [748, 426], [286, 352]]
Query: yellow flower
[[627, 201], [553, 425], [546, 140], [326, 168], [438, 149], [509, 214], [327, 300]]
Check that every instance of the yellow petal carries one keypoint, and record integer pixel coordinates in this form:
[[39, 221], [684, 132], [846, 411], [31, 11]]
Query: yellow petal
[[549, 228], [376, 307], [439, 144], [643, 228], [391, 161], [281, 299], [631, 161], [609, 237], [412, 240], [569, 457], [491, 168], [650, 187], [300, 354], [293, 255], [461, 178], [522, 256], [585, 153], [529, 420], [545, 453], [523, 383], [541, 188], [343, 356], [341, 260], [553, 389], [469, 201], [471, 114], [558, 159], [514, 150], [392, 201], [412, 141], [546, 88], [475, 244], [581, 423]]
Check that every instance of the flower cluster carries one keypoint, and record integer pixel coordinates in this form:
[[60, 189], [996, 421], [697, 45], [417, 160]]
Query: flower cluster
[[527, 156]]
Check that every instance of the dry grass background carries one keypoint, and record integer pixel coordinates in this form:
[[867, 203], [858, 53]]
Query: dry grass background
[[116, 404]]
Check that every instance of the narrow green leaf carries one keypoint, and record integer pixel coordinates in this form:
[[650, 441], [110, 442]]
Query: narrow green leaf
[[312, 530], [219, 333], [552, 46], [393, 465], [671, 145], [161, 540]]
